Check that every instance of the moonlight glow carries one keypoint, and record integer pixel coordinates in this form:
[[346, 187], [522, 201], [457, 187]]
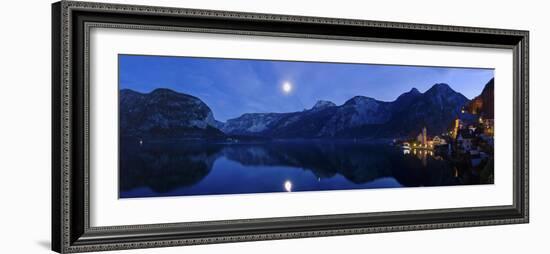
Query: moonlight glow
[[288, 186], [287, 87]]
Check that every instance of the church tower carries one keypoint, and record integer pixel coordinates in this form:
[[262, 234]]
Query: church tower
[[424, 136]]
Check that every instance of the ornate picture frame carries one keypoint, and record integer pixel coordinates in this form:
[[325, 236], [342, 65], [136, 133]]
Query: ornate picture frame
[[71, 196]]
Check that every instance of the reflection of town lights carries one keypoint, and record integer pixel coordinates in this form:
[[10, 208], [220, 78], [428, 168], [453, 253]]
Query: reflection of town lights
[[288, 186]]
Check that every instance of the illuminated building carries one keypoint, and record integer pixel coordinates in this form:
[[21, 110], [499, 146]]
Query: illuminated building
[[438, 141], [456, 127], [489, 127], [422, 138], [419, 138]]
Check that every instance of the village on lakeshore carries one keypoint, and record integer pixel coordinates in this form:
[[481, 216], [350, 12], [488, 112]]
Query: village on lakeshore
[[468, 144]]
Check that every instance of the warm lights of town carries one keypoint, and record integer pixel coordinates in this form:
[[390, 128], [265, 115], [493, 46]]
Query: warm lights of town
[[470, 137]]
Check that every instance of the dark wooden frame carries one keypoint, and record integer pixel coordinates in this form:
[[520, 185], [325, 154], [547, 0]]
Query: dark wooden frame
[[71, 22]]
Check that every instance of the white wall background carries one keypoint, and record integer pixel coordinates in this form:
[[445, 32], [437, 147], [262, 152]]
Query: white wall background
[[25, 125]]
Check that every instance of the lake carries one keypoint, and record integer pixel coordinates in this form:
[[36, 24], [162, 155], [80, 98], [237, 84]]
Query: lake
[[157, 169]]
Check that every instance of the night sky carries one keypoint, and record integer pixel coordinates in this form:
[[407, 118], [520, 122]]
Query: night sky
[[233, 87]]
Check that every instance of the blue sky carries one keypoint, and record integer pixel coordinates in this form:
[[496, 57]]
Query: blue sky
[[232, 87]]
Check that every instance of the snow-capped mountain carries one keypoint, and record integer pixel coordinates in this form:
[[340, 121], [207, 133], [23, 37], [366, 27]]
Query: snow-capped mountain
[[253, 123], [360, 116], [322, 104], [167, 113]]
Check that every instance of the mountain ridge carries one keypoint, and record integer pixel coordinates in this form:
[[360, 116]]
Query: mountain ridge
[[363, 116], [483, 104], [165, 113], [358, 117]]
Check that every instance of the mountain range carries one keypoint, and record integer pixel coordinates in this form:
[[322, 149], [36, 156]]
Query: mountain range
[[166, 113], [484, 104]]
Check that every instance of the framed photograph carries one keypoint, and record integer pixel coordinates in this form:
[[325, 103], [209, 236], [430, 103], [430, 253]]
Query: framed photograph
[[181, 126]]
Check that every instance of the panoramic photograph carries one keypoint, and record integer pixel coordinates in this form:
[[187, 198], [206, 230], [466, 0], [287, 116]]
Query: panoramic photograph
[[210, 126]]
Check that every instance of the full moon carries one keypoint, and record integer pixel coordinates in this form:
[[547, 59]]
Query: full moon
[[287, 87]]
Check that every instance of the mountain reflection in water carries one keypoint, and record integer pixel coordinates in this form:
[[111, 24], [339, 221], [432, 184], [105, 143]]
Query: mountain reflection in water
[[155, 169]]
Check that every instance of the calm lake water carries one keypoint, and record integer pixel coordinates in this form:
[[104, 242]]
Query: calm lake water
[[155, 169]]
